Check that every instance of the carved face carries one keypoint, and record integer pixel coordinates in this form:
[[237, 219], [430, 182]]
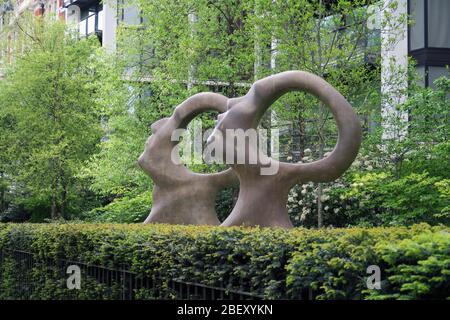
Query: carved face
[[158, 124], [156, 147], [241, 115], [158, 160]]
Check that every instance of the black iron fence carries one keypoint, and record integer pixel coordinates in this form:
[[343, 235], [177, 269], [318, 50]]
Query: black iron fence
[[120, 283]]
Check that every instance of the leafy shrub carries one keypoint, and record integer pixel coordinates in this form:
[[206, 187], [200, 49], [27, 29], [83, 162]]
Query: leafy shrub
[[274, 263], [126, 209], [14, 213], [335, 265], [413, 271], [374, 199], [225, 201], [404, 201], [339, 210]]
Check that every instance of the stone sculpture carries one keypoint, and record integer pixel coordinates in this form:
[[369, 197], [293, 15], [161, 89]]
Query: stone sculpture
[[262, 198], [181, 196]]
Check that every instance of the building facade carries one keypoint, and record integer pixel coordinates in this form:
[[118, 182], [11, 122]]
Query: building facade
[[100, 18], [427, 39]]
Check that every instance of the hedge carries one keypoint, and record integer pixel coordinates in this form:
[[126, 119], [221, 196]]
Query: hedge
[[414, 261]]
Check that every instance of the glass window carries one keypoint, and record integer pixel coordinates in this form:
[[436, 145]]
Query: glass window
[[373, 17], [101, 20], [435, 73], [82, 27], [84, 14], [91, 24], [131, 15], [439, 23], [417, 28], [374, 38]]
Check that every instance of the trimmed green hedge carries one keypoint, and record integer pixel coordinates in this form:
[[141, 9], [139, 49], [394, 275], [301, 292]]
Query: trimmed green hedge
[[414, 261]]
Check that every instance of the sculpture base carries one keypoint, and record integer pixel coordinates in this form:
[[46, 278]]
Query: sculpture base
[[262, 203]]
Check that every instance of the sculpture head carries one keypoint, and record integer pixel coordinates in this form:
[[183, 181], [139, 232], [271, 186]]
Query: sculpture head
[[181, 196], [235, 125], [247, 111], [156, 155], [157, 159]]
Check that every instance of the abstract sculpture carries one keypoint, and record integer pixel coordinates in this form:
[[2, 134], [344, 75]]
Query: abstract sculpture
[[262, 198], [181, 196]]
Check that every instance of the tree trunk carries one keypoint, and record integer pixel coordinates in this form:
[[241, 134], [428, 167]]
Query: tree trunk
[[54, 210], [2, 195], [320, 131], [62, 190], [63, 202], [2, 200], [320, 156], [301, 135], [319, 206]]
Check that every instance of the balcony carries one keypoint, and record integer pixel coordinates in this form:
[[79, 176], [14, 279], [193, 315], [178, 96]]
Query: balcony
[[80, 3], [92, 24]]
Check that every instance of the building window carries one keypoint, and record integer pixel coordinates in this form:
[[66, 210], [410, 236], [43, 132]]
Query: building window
[[82, 27], [131, 15], [101, 21], [417, 29], [91, 20], [429, 38], [439, 23]]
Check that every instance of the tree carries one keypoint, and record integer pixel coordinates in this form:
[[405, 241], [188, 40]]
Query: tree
[[50, 117]]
